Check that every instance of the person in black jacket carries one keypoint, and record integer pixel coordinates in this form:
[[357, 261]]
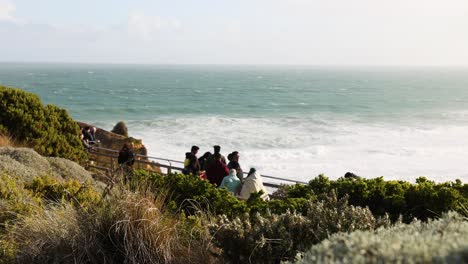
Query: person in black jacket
[[234, 164], [203, 160], [126, 159], [126, 156]]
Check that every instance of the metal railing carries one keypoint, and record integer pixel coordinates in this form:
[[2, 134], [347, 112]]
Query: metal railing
[[149, 162]]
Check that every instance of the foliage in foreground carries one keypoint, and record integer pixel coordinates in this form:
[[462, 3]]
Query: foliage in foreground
[[19, 199], [131, 228], [437, 241], [15, 200], [423, 200], [26, 164], [190, 194], [158, 224], [46, 128], [270, 238]]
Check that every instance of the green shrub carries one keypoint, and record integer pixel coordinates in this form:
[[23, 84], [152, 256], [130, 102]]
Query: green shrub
[[121, 129], [269, 238], [48, 129], [15, 200], [19, 199], [437, 241], [191, 194], [49, 188], [422, 200]]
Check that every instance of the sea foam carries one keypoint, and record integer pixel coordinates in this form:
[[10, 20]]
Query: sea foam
[[302, 148]]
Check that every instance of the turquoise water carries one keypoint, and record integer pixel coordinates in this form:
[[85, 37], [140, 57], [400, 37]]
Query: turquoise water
[[288, 121]]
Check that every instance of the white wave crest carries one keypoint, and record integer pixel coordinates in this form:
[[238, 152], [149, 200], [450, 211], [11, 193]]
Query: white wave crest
[[302, 148]]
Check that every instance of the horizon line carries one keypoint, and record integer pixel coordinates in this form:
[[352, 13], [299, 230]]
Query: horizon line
[[238, 64]]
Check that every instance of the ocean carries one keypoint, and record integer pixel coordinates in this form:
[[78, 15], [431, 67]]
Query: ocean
[[293, 122]]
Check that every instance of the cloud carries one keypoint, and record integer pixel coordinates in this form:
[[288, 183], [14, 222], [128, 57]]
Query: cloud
[[6, 10], [146, 26]]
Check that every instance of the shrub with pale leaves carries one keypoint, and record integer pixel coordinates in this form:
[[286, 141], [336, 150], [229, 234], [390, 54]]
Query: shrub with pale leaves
[[26, 164], [270, 238], [438, 241]]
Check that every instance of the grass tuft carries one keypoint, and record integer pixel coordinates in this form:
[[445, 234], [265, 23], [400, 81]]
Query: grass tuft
[[126, 228]]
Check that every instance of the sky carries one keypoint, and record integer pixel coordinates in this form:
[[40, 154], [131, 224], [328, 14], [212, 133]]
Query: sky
[[309, 32]]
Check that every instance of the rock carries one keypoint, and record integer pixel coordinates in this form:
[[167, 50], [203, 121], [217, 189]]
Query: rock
[[115, 142]]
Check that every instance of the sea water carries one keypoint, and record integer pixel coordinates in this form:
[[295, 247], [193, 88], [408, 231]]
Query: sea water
[[287, 121]]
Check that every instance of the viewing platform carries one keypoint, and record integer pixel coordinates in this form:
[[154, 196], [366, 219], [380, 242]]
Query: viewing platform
[[106, 159]]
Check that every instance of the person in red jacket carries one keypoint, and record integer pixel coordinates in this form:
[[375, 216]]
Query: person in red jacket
[[217, 171]]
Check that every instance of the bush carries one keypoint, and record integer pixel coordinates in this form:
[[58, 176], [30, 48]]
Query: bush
[[437, 241], [130, 228], [48, 129], [15, 200], [191, 194], [19, 199], [121, 129], [271, 237], [49, 188], [422, 200], [27, 164]]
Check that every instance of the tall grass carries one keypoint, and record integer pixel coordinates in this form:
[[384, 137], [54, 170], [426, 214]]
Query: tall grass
[[6, 141], [127, 228]]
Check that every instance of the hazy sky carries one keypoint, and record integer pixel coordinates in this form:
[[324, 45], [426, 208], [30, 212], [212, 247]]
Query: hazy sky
[[317, 32]]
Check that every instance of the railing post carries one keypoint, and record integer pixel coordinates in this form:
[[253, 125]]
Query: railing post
[[112, 163]]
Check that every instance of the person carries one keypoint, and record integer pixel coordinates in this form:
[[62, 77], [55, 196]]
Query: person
[[88, 136], [126, 156], [350, 175], [126, 159], [217, 171], [253, 184], [211, 160], [234, 164], [187, 159], [231, 182], [229, 157], [202, 160], [191, 165]]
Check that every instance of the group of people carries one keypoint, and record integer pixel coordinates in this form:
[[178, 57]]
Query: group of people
[[211, 166], [214, 168]]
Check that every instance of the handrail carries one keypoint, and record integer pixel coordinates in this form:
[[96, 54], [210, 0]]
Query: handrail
[[281, 179], [180, 162], [138, 155]]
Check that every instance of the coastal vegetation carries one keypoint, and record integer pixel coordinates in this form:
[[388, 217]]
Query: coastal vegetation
[[178, 218], [47, 129], [53, 211], [440, 240], [423, 200]]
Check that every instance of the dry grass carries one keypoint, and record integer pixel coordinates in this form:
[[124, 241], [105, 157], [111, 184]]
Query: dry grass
[[6, 141], [129, 228]]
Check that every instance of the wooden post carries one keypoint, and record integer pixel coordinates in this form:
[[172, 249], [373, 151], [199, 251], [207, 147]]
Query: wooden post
[[112, 163]]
